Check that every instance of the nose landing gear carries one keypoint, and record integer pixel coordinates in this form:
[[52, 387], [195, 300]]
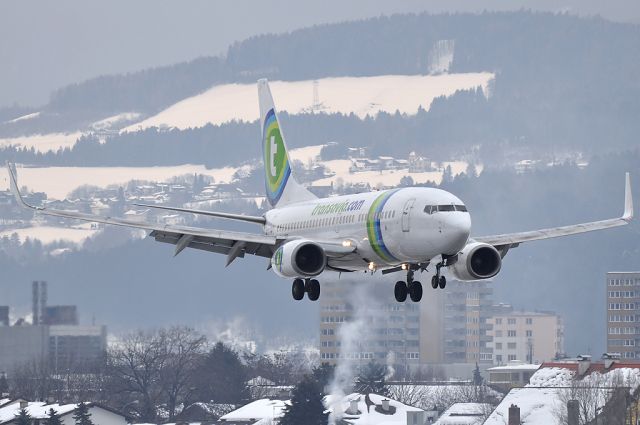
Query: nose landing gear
[[309, 286]]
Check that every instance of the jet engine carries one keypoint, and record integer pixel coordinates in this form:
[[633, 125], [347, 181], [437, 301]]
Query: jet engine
[[477, 261], [299, 258]]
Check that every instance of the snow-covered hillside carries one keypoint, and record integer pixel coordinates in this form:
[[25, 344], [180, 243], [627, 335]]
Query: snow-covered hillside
[[359, 95]]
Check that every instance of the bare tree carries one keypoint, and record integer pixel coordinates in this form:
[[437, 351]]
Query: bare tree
[[135, 366], [184, 349]]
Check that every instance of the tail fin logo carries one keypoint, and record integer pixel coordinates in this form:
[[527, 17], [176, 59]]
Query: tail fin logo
[[276, 161]]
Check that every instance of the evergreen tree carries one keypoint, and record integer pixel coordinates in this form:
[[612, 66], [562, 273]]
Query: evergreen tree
[[53, 418], [306, 404], [221, 376], [371, 379], [23, 417], [82, 415], [323, 374], [477, 377]]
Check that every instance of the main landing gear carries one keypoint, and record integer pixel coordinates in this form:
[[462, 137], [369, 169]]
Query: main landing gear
[[413, 288], [309, 286]]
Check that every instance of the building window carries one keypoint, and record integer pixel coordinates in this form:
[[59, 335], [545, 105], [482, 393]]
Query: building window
[[499, 358], [498, 334], [529, 321], [511, 345], [529, 333], [499, 321], [511, 333], [511, 321], [498, 346], [512, 357]]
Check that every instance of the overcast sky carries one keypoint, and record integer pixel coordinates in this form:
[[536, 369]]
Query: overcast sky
[[47, 44]]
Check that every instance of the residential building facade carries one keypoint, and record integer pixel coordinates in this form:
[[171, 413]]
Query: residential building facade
[[531, 337], [623, 314]]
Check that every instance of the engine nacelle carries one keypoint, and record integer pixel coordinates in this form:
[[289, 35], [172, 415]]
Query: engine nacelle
[[299, 258], [477, 261]]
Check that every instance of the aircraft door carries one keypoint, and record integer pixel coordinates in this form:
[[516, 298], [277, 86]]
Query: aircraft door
[[406, 214]]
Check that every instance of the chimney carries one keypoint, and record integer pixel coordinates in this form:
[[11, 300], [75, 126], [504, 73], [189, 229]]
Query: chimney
[[24, 404], [573, 415], [610, 358], [514, 415], [385, 405], [35, 302], [584, 362], [43, 302], [353, 407]]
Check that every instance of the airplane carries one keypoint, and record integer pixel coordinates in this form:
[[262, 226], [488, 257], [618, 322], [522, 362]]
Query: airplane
[[397, 230]]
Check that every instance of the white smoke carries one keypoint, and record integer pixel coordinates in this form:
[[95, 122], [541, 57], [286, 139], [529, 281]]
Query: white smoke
[[351, 336]]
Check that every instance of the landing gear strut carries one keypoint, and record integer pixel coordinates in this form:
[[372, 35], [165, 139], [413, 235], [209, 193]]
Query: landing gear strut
[[438, 280], [309, 286]]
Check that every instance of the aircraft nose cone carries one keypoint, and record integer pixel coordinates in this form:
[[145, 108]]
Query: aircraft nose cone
[[458, 227]]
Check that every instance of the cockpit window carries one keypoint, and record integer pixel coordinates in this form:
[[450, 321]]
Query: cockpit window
[[430, 209]]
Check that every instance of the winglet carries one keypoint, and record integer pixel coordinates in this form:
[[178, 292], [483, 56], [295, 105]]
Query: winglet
[[14, 187], [628, 199]]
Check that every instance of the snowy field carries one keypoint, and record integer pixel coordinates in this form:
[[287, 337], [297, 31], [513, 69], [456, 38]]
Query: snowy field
[[359, 95], [43, 142], [50, 234]]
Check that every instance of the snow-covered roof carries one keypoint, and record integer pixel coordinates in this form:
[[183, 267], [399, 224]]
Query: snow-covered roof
[[541, 400], [465, 414], [373, 414], [514, 367], [37, 410], [259, 409]]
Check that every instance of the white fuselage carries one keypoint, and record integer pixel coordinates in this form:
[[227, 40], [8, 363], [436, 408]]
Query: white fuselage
[[388, 228]]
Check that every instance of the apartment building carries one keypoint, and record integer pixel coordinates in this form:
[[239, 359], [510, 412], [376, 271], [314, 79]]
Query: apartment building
[[531, 337], [623, 314]]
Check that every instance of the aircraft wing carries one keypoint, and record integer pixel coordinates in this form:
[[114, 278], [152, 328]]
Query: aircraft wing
[[240, 217], [233, 244], [513, 239]]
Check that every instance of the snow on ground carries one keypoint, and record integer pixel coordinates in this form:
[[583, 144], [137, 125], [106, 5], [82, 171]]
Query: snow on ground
[[23, 118], [116, 120], [50, 234], [57, 182], [305, 154], [385, 177], [43, 142], [359, 95]]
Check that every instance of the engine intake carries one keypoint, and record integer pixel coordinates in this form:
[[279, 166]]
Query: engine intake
[[477, 261], [299, 258]]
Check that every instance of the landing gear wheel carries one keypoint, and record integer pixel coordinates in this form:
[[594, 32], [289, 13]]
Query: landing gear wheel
[[434, 282], [443, 282], [297, 289], [415, 291], [400, 291], [313, 289]]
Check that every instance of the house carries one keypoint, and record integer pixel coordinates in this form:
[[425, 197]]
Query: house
[[39, 412], [611, 387], [514, 374]]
